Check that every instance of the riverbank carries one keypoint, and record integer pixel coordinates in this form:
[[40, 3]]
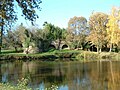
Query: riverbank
[[51, 55], [61, 54]]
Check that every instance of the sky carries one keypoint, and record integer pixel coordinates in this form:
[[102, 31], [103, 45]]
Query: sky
[[59, 12]]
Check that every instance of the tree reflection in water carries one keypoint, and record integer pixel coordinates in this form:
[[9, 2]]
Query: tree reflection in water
[[95, 75]]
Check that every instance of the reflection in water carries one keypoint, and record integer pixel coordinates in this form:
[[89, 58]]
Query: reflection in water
[[101, 75], [4, 77]]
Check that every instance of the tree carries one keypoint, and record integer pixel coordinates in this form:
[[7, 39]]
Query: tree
[[77, 31], [97, 25], [8, 14], [44, 37], [59, 35], [23, 35], [21, 38], [113, 27], [54, 33], [49, 30], [13, 40]]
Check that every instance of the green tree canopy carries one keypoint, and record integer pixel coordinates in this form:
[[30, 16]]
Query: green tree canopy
[[8, 13], [77, 30], [28, 7]]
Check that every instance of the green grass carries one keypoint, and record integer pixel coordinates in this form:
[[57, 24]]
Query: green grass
[[8, 51], [11, 54], [60, 54]]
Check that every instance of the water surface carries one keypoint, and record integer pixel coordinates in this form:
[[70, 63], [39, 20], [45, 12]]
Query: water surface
[[95, 75]]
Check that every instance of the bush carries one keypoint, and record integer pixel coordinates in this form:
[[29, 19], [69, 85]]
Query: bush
[[53, 87], [22, 85], [80, 56], [66, 54], [87, 56]]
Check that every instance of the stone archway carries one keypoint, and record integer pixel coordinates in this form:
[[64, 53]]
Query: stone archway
[[52, 46], [93, 48], [65, 46], [60, 46]]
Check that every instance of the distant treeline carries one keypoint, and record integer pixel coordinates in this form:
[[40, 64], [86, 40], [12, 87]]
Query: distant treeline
[[100, 33]]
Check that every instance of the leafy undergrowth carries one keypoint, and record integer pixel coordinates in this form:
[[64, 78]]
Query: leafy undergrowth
[[87, 55], [22, 85]]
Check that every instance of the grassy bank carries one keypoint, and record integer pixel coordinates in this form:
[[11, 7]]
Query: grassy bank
[[51, 55], [60, 54], [85, 55]]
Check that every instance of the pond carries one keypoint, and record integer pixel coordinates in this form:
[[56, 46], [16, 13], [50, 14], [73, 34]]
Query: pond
[[69, 75]]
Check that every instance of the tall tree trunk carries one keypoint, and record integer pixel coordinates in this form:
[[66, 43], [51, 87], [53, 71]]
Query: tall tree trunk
[[97, 48], [0, 40], [100, 50], [1, 36], [110, 48], [42, 46], [16, 49]]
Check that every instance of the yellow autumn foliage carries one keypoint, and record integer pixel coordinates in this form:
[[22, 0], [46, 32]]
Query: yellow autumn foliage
[[113, 27]]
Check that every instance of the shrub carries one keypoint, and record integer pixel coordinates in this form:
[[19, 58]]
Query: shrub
[[22, 85], [66, 54], [80, 56], [53, 87], [87, 56]]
